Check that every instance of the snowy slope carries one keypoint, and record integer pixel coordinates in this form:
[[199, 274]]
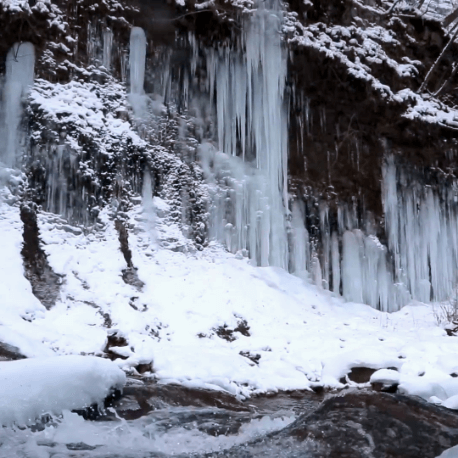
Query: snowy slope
[[298, 335]]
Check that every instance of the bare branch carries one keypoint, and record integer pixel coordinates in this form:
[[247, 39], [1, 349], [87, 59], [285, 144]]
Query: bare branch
[[454, 69], [450, 18], [434, 66]]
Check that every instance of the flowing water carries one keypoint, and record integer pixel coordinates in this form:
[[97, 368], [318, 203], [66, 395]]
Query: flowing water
[[165, 431]]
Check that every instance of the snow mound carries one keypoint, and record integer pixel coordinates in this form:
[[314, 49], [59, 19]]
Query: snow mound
[[33, 387], [385, 376]]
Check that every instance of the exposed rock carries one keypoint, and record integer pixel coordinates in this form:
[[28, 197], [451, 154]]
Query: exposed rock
[[451, 329], [255, 357], [129, 275], [359, 375], [9, 352], [361, 425], [45, 282], [114, 341], [138, 399], [227, 333], [144, 367]]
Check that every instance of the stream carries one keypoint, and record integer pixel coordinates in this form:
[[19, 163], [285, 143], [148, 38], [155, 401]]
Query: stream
[[153, 420]]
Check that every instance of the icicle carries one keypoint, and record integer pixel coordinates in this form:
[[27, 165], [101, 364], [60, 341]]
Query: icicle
[[352, 274], [107, 48], [300, 244], [335, 258], [137, 61], [326, 243], [149, 209], [316, 271], [422, 237], [20, 63]]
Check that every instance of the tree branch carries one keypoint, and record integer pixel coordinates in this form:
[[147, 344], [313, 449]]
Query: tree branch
[[434, 66]]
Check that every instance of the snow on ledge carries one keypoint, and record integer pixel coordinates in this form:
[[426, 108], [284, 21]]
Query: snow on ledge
[[33, 387]]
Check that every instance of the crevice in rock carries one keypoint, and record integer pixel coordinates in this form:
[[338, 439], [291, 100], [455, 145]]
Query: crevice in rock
[[45, 282]]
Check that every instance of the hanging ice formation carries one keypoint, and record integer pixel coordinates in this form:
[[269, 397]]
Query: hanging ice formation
[[20, 63], [249, 206], [149, 210], [107, 48], [422, 226], [137, 61]]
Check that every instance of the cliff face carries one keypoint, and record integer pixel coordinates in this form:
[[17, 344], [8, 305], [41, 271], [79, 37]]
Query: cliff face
[[369, 133]]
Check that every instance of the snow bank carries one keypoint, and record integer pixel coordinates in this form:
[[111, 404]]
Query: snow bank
[[450, 453], [298, 334], [33, 387], [385, 376]]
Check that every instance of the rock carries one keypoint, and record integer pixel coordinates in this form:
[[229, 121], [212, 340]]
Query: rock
[[115, 343], [359, 375], [360, 424], [9, 353], [44, 281], [226, 333], [138, 399]]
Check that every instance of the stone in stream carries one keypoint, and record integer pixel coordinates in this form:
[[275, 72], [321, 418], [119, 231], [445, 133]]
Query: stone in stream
[[359, 424]]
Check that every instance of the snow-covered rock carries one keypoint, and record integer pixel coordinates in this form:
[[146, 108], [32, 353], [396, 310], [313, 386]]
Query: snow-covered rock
[[32, 387], [385, 377]]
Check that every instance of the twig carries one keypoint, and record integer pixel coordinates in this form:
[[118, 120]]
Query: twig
[[434, 66], [454, 69], [375, 11]]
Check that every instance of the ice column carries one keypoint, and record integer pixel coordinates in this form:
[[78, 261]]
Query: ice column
[[149, 209], [300, 249], [107, 48], [252, 131], [20, 63], [137, 61]]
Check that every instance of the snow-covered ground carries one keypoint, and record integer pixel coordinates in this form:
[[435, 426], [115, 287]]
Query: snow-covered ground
[[299, 335]]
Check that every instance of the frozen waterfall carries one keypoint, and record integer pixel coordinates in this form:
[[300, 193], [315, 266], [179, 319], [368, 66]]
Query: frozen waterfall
[[249, 206], [20, 63], [422, 227]]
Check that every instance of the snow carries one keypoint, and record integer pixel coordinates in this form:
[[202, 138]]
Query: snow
[[81, 106], [37, 386], [304, 335], [301, 334], [385, 376], [450, 453]]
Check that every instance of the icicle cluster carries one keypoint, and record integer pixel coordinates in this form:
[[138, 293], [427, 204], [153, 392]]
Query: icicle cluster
[[422, 227], [249, 205]]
